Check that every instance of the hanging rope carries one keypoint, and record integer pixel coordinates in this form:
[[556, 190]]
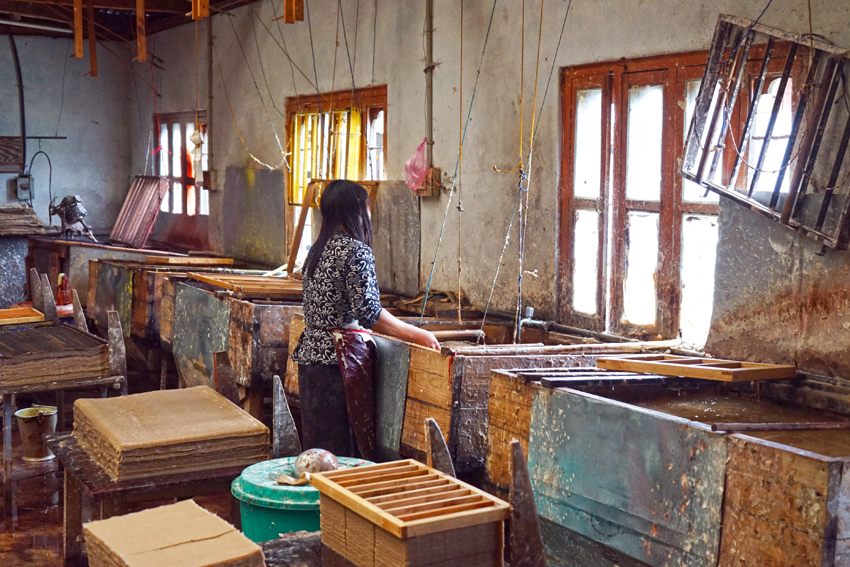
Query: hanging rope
[[257, 88], [460, 172], [313, 53], [457, 164], [531, 153], [524, 191], [235, 125]]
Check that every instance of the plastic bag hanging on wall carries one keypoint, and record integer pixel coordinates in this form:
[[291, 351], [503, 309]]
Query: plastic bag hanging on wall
[[416, 168]]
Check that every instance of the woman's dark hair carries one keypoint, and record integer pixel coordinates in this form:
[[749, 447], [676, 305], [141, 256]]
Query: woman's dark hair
[[344, 204]]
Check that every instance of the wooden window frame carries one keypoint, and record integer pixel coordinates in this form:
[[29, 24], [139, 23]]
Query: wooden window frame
[[615, 78], [363, 98], [181, 118]]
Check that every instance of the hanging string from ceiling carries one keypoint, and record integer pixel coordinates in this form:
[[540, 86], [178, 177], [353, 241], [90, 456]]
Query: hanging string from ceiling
[[260, 58], [257, 88], [460, 173], [524, 193], [531, 150], [313, 53], [457, 164]]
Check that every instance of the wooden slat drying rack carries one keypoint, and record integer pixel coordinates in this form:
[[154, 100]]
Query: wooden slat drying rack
[[694, 367]]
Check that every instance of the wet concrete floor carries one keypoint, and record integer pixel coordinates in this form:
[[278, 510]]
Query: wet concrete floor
[[32, 535]]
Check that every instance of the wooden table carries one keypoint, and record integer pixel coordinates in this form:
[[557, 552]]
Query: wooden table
[[83, 475], [103, 384], [301, 549]]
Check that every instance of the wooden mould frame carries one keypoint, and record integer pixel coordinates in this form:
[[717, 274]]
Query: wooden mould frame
[[734, 61], [695, 367], [265, 286], [17, 315], [409, 499]]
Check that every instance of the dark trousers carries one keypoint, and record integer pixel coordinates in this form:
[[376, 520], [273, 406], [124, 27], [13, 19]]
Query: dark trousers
[[324, 417]]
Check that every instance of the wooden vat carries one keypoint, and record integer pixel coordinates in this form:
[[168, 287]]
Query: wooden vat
[[166, 310], [627, 470], [53, 256], [452, 386], [259, 339]]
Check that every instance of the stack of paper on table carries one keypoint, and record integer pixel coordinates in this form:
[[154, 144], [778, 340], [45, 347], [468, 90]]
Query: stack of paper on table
[[182, 534], [168, 432]]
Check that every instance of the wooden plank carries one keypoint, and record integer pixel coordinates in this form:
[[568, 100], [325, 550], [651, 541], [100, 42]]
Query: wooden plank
[[299, 10], [92, 39], [201, 328], [776, 508], [415, 413], [78, 29], [138, 214], [509, 418], [141, 33], [650, 484], [390, 395], [309, 194], [296, 327], [203, 9], [710, 369], [188, 261]]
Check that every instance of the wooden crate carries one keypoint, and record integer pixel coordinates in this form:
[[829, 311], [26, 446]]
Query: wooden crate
[[404, 513], [259, 339]]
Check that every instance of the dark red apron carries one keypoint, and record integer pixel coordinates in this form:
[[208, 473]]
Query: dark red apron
[[357, 357]]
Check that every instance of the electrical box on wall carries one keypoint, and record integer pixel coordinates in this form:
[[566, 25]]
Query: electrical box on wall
[[25, 187]]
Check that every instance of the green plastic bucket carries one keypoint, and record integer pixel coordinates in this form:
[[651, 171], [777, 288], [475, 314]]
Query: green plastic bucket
[[269, 509]]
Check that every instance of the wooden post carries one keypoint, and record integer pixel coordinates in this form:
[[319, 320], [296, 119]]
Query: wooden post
[[51, 314], [92, 39], [140, 31], [285, 441], [437, 452], [203, 9], [299, 10], [78, 29], [73, 510], [526, 549], [117, 348], [35, 291], [79, 316], [289, 12]]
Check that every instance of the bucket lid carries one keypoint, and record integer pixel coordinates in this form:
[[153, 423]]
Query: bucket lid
[[258, 485], [35, 410]]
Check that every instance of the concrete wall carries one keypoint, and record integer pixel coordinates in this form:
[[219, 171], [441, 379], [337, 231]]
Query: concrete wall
[[94, 161], [595, 31]]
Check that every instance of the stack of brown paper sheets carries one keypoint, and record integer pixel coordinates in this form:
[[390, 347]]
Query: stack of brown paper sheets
[[168, 432], [49, 354], [182, 534]]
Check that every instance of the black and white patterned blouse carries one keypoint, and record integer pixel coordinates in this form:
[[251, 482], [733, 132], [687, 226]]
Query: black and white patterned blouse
[[342, 291]]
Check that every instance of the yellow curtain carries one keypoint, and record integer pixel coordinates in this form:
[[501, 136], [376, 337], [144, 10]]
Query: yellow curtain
[[325, 146]]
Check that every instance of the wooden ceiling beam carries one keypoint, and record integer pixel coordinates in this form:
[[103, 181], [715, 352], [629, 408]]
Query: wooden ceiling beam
[[161, 6], [11, 7]]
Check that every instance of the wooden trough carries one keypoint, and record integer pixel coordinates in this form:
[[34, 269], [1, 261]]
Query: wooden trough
[[656, 484], [452, 386], [199, 320]]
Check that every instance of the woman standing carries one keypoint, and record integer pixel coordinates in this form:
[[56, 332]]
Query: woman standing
[[340, 292]]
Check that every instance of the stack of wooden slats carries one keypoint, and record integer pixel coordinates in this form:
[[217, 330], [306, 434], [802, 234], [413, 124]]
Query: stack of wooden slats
[[138, 215], [404, 513], [50, 354], [181, 534], [20, 219], [168, 432]]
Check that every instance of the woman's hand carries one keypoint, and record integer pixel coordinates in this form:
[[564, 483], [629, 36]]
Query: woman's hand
[[426, 339], [389, 325]]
